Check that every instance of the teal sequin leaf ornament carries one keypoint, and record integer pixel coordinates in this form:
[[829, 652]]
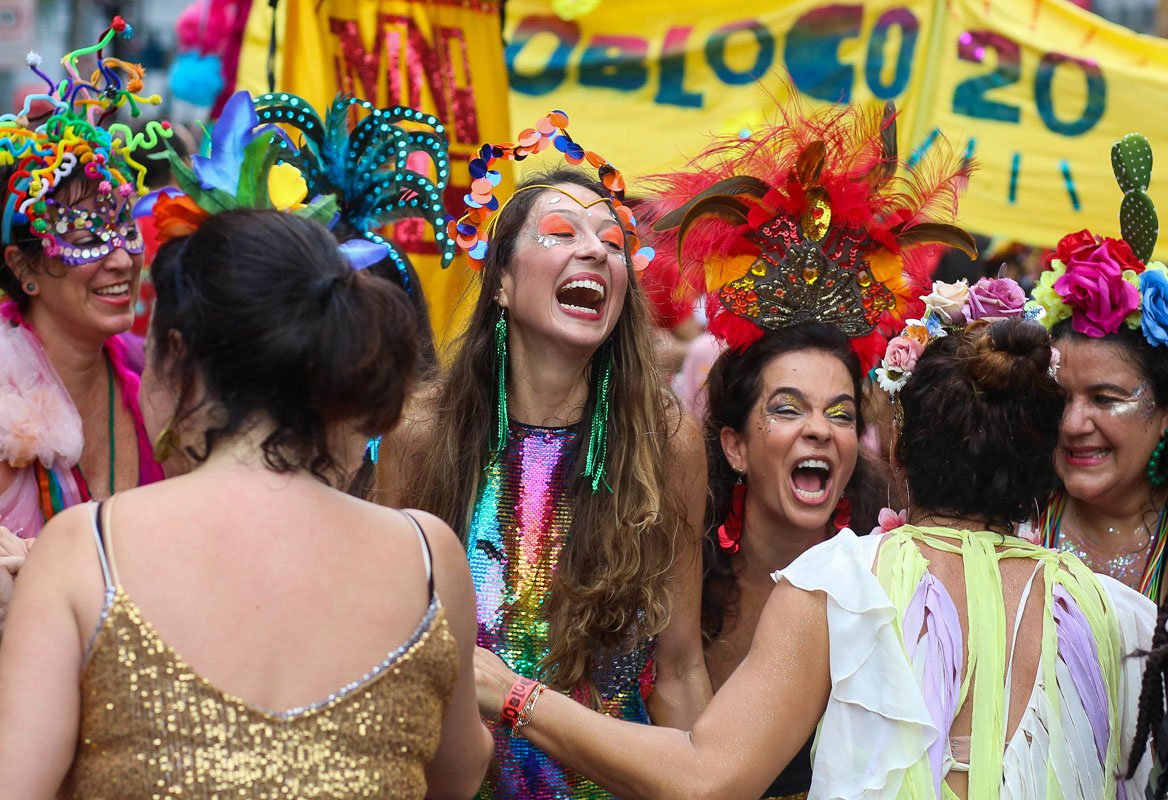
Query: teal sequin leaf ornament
[[379, 168]]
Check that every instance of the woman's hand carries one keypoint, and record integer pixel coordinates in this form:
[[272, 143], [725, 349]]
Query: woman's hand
[[493, 679], [13, 550]]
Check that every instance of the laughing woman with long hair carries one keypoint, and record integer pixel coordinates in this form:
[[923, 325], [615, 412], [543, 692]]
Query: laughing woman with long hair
[[576, 483]]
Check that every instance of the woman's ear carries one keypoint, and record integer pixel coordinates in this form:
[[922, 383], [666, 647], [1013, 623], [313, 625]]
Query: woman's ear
[[503, 293], [16, 261], [734, 447]]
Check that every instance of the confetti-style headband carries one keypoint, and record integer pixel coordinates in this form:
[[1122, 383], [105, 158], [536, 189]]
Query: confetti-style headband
[[72, 137], [473, 230]]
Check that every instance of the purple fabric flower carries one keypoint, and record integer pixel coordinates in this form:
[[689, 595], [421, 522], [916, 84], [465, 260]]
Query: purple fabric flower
[[994, 298], [1095, 289]]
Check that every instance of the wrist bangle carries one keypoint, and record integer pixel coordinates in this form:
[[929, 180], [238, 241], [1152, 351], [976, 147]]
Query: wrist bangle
[[516, 701], [528, 710]]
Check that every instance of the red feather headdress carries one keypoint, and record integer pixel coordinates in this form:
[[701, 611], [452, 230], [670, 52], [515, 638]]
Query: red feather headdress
[[809, 221]]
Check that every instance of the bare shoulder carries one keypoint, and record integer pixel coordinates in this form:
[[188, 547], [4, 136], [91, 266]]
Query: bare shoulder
[[65, 558], [444, 544]]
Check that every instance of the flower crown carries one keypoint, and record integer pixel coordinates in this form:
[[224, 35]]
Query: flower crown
[[948, 309], [1103, 283], [472, 231], [71, 137], [809, 221]]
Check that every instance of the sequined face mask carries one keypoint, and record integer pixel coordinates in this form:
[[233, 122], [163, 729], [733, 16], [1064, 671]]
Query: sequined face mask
[[78, 235]]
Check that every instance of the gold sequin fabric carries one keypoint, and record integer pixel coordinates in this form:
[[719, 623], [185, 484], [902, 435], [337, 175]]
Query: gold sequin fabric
[[152, 728]]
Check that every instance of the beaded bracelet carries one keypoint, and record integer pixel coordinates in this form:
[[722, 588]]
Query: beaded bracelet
[[516, 701], [528, 709]]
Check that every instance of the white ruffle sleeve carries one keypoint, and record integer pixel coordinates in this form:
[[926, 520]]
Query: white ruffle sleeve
[[876, 725]]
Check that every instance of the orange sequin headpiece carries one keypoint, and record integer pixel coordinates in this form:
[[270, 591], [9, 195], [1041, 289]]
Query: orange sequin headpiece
[[473, 230], [809, 221]]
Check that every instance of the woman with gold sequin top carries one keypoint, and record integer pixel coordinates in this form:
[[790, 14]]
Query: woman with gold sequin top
[[552, 446], [233, 628]]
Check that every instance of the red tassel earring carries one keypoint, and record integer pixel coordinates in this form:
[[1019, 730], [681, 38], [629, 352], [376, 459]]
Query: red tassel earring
[[730, 531], [843, 514]]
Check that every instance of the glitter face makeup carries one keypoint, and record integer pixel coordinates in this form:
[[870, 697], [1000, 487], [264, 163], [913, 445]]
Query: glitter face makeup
[[566, 282], [1110, 424], [799, 449], [1139, 402], [556, 228]]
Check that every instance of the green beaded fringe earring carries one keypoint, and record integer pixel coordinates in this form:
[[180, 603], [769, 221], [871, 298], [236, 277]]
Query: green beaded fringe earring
[[500, 439], [594, 462], [1156, 475]]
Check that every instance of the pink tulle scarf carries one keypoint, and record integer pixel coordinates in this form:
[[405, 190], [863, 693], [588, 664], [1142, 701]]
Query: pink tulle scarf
[[39, 425]]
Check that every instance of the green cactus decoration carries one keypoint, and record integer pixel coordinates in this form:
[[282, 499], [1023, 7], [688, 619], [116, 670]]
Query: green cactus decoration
[[1131, 159]]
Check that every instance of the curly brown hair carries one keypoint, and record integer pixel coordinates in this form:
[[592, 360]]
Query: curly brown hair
[[610, 582]]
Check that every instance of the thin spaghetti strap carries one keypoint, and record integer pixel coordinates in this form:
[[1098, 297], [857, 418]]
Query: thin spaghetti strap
[[425, 554], [103, 521], [94, 510]]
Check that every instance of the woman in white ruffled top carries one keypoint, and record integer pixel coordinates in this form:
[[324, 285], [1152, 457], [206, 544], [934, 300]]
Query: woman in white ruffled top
[[946, 658]]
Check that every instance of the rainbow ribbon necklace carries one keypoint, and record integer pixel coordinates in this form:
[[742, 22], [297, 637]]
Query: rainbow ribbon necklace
[[1152, 578]]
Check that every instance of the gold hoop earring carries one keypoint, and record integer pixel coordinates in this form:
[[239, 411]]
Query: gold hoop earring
[[166, 443]]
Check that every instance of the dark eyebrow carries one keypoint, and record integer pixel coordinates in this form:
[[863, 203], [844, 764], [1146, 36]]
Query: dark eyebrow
[[798, 395], [843, 398]]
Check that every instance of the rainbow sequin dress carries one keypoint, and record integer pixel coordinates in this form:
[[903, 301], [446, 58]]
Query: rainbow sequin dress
[[518, 530]]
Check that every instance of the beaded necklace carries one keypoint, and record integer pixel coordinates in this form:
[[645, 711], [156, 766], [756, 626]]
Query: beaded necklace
[[1153, 574]]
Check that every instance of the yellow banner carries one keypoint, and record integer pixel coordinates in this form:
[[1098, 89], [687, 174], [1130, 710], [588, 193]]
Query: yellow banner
[[1035, 91], [444, 57]]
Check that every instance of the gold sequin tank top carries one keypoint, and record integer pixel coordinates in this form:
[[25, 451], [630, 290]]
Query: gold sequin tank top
[[152, 728]]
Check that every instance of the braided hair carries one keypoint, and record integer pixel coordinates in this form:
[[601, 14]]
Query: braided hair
[[1149, 722]]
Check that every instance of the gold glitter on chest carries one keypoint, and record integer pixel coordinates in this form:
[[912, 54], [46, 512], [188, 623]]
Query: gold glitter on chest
[[152, 728]]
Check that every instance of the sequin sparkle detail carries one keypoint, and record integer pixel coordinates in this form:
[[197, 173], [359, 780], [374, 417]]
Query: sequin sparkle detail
[[518, 530], [151, 727]]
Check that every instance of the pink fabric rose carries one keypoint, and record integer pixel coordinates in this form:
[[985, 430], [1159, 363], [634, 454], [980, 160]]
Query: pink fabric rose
[[1094, 288], [902, 354], [994, 298]]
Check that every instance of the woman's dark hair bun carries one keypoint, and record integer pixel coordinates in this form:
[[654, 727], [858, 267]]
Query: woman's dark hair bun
[[1002, 357], [980, 422], [274, 322]]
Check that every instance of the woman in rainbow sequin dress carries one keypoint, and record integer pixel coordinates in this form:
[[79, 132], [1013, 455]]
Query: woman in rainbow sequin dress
[[552, 447]]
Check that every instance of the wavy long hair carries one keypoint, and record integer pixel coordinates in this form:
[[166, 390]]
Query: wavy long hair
[[609, 584]]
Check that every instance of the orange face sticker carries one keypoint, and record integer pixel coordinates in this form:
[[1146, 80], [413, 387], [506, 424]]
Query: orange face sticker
[[554, 225]]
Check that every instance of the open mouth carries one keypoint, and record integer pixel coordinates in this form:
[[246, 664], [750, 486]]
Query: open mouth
[[581, 297], [1081, 456], [116, 290], [811, 480]]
